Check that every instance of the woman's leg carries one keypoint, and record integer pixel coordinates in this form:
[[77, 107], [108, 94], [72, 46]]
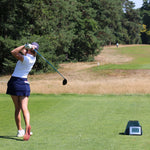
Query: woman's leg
[[26, 114], [25, 111], [17, 105]]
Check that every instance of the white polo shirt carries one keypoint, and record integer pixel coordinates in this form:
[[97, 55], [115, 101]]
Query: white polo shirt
[[22, 69]]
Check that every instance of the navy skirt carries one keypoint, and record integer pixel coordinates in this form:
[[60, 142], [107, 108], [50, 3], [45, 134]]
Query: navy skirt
[[18, 87]]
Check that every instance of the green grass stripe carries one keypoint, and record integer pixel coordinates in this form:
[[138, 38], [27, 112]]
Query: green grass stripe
[[78, 122]]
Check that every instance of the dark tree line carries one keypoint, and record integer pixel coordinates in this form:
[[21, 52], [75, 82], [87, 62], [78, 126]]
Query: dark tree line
[[145, 13], [67, 30]]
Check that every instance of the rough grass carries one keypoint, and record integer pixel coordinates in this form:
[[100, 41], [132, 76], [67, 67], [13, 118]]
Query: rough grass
[[78, 122]]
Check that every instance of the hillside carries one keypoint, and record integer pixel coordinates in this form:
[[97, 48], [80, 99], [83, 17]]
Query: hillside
[[82, 80]]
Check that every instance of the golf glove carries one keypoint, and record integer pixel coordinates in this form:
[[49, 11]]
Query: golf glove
[[28, 46]]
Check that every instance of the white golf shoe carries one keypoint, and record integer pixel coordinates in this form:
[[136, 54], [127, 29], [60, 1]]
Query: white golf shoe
[[21, 133]]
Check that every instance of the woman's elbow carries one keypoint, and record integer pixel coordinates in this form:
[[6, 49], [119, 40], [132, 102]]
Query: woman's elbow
[[12, 52]]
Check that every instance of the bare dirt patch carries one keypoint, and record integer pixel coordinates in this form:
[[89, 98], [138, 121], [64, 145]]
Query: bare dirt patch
[[83, 81]]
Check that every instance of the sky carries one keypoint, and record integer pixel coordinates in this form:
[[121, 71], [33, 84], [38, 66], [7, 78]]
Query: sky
[[138, 3]]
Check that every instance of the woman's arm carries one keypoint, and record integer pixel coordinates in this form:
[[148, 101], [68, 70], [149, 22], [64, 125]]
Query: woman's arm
[[16, 53]]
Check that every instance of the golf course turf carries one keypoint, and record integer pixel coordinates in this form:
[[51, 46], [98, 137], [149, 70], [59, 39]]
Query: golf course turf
[[85, 121], [78, 122]]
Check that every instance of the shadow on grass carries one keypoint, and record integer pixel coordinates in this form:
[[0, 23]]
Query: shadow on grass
[[11, 138], [122, 133]]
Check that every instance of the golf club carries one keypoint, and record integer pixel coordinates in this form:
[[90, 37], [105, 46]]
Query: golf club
[[65, 80]]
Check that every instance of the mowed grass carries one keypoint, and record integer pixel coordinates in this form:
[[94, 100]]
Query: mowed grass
[[78, 122], [140, 55]]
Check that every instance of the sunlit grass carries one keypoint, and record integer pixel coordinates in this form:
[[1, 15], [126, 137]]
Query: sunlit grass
[[140, 55], [78, 122]]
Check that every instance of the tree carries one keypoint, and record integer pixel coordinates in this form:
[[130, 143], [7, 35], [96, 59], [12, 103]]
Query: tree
[[109, 16], [132, 23], [145, 13], [67, 30], [85, 42]]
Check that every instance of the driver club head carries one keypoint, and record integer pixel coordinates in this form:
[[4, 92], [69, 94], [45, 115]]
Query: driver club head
[[64, 82]]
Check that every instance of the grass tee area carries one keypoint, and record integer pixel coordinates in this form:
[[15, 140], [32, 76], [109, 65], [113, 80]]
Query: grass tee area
[[78, 122]]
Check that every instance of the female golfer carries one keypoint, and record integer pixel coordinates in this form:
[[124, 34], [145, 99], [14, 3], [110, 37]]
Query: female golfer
[[18, 86]]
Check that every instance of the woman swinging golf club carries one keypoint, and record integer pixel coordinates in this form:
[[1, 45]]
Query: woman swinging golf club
[[18, 86]]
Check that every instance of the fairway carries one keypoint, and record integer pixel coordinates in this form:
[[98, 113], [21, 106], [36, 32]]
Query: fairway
[[78, 122], [139, 55]]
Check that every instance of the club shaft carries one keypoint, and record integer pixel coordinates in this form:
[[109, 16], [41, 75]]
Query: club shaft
[[49, 64]]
